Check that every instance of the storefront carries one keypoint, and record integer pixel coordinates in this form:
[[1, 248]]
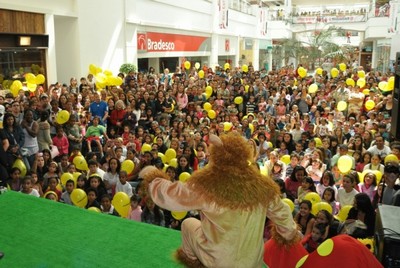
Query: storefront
[[170, 50], [23, 45]]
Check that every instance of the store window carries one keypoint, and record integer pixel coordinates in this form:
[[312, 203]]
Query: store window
[[15, 63]]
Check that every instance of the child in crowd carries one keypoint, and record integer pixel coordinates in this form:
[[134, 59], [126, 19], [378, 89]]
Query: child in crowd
[[314, 170], [81, 182], [329, 196], [52, 187], [51, 196], [92, 198], [152, 214], [14, 182], [27, 187], [36, 183], [369, 186], [51, 173], [315, 238], [107, 207], [201, 155], [94, 133], [61, 141], [135, 212], [66, 195], [96, 183], [277, 170], [304, 219], [307, 186], [327, 181], [123, 185], [347, 192], [111, 177]]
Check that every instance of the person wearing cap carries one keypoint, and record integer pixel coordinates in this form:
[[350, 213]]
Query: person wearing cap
[[44, 104]]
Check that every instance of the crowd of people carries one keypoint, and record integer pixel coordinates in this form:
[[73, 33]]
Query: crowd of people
[[297, 138]]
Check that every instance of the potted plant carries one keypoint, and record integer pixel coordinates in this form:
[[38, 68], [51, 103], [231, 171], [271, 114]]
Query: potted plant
[[127, 68]]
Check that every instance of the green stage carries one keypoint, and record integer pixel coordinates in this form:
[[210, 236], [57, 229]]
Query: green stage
[[37, 232]]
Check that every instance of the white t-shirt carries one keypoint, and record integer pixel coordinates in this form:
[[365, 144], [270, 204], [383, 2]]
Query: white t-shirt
[[346, 198], [126, 188]]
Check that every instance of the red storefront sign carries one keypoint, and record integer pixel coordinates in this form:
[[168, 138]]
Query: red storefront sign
[[161, 42]]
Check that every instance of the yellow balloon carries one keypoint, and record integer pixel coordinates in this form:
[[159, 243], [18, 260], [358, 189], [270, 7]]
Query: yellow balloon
[[341, 106], [366, 92], [146, 148], [101, 78], [121, 203], [391, 158], [302, 72], [238, 100], [79, 198], [75, 177], [30, 78], [319, 71], [228, 126], [251, 126], [227, 66], [318, 142], [246, 88], [361, 82], [80, 162], [92, 69], [163, 157], [369, 104], [350, 82], [211, 114], [345, 163], [245, 68], [382, 85], [361, 74], [334, 72], [15, 91], [207, 106], [378, 176], [173, 162], [184, 176], [270, 145], [178, 215], [94, 209], [31, 87], [313, 197], [62, 117], [127, 166], [187, 65], [343, 213], [197, 65], [320, 206], [285, 159], [66, 177], [108, 73], [209, 90], [21, 166], [342, 67], [289, 203], [201, 74], [170, 154], [40, 79], [312, 88], [17, 84]]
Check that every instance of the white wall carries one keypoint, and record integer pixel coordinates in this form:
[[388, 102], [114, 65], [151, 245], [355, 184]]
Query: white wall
[[67, 53]]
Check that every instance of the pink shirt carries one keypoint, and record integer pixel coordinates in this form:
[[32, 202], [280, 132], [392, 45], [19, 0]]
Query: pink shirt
[[62, 144], [135, 214]]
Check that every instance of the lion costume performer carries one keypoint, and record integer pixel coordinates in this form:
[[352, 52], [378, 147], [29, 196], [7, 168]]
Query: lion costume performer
[[233, 199]]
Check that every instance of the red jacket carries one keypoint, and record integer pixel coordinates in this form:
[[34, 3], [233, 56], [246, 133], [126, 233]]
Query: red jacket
[[117, 116]]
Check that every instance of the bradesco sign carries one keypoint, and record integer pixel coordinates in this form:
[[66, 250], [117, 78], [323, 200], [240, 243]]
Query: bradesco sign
[[161, 42]]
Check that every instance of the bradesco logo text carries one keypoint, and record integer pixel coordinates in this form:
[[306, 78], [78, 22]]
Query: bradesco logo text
[[160, 45]]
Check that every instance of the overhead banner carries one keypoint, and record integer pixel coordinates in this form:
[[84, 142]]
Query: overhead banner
[[326, 19], [223, 13], [164, 42], [394, 10]]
